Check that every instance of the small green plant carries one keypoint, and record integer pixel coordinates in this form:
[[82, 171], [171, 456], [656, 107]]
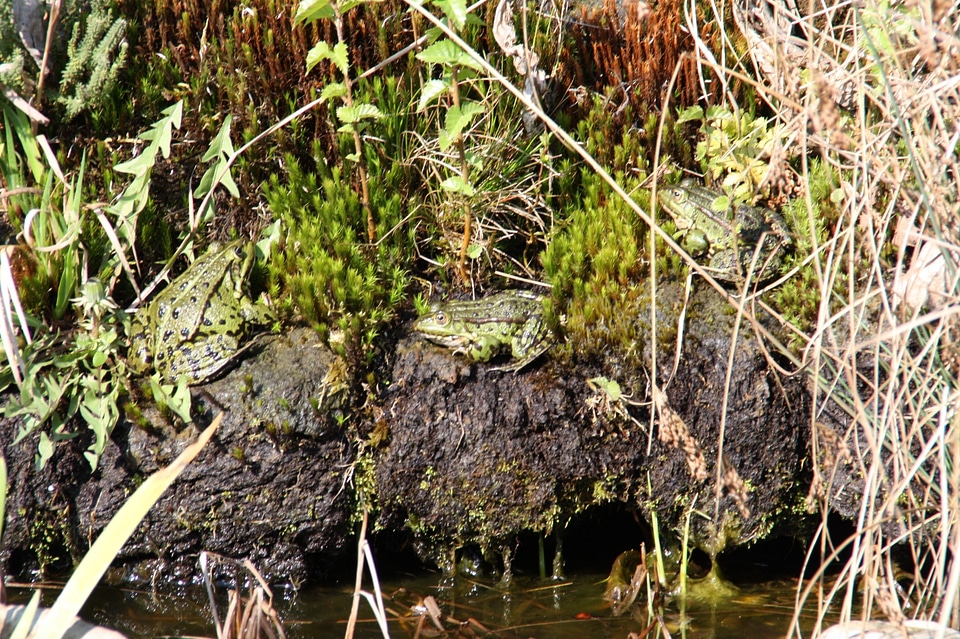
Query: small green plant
[[354, 116], [735, 149], [96, 53], [88, 68]]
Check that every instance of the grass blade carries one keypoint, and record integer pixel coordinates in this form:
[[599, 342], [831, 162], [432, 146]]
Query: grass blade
[[112, 539]]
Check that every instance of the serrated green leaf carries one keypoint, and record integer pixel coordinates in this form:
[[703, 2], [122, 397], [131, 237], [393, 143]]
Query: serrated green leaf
[[430, 91], [455, 11], [717, 112], [691, 114], [318, 53], [161, 133], [447, 52], [474, 251], [333, 90], [459, 118], [322, 51], [312, 10], [341, 57], [444, 140], [357, 112], [456, 184]]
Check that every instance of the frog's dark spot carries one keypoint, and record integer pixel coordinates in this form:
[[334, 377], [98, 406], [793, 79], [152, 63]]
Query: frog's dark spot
[[207, 322], [193, 299], [184, 332], [161, 311], [175, 314]]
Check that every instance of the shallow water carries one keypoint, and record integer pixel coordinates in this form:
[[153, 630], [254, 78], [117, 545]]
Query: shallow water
[[529, 608]]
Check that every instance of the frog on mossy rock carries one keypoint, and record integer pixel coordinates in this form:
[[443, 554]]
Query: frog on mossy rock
[[479, 329], [729, 239], [197, 325]]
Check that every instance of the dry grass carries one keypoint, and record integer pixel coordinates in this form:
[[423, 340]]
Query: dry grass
[[874, 92]]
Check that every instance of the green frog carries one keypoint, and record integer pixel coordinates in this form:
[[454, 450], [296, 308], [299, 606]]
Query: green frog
[[196, 325], [479, 329], [730, 238]]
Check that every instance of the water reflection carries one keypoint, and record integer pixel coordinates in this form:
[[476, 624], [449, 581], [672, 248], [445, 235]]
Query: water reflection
[[529, 608]]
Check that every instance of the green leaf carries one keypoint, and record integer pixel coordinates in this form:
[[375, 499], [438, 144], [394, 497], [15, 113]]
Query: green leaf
[[333, 90], [447, 52], [44, 450], [717, 112], [721, 203], [456, 184], [341, 57], [459, 118], [444, 140], [691, 114], [338, 55], [161, 133], [350, 4], [221, 145], [474, 251], [357, 112], [455, 11], [430, 91], [608, 386], [312, 10], [178, 401]]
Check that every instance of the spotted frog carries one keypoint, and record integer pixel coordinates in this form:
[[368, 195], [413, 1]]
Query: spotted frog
[[197, 325], [479, 329], [730, 238]]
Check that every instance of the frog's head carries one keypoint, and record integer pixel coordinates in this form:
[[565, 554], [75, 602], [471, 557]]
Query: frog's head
[[673, 199], [439, 326], [232, 264]]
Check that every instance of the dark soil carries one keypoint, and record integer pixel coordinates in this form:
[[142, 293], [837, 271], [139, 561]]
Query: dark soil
[[449, 455]]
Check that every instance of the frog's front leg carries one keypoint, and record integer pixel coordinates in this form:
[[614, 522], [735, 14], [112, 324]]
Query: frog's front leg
[[695, 243]]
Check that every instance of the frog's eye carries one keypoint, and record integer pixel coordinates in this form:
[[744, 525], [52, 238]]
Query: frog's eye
[[238, 251], [678, 193], [441, 318]]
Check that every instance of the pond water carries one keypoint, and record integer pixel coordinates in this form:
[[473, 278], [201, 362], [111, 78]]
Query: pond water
[[530, 607]]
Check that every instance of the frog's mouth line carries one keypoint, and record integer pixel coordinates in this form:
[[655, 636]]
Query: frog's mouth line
[[448, 340]]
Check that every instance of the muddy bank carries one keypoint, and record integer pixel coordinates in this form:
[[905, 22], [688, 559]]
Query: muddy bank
[[446, 453]]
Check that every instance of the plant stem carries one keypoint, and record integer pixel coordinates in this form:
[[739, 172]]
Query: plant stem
[[465, 175], [357, 142]]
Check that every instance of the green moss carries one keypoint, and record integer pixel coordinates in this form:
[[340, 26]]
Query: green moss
[[347, 290], [595, 261]]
